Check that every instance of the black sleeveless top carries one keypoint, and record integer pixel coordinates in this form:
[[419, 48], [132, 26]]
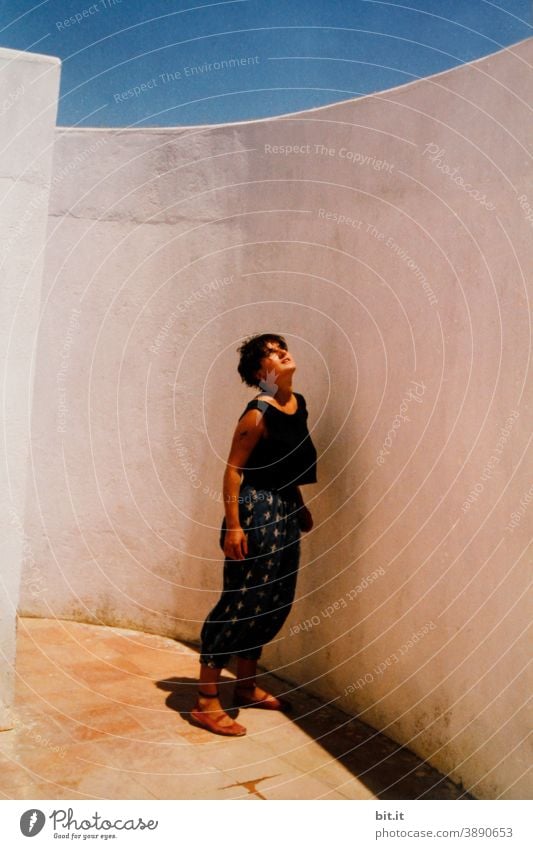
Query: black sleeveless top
[[286, 456]]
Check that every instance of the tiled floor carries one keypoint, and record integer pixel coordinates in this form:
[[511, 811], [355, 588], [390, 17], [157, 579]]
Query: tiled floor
[[102, 713]]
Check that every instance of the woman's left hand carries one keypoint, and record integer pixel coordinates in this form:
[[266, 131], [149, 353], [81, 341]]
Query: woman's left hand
[[305, 519]]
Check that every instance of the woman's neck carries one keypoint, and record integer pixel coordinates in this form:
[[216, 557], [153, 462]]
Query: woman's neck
[[281, 392], [284, 392]]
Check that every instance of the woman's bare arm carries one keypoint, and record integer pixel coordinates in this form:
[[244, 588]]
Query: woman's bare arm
[[247, 434]]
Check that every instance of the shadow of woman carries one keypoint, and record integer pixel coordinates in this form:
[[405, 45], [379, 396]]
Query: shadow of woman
[[182, 692]]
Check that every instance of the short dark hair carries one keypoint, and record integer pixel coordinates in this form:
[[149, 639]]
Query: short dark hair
[[252, 352]]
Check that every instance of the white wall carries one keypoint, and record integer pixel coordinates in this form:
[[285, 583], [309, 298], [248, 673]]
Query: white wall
[[420, 310], [28, 103]]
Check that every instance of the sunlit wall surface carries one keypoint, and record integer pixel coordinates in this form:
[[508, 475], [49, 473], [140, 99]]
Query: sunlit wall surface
[[28, 104]]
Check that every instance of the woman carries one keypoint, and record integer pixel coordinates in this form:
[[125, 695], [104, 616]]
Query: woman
[[260, 535]]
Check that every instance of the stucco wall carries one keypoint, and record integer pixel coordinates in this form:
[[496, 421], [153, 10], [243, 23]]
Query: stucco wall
[[386, 238], [28, 104]]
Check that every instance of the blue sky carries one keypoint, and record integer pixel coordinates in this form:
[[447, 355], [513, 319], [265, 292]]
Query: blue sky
[[171, 62]]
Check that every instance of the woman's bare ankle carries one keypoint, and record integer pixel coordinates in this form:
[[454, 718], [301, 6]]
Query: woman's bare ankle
[[213, 703]]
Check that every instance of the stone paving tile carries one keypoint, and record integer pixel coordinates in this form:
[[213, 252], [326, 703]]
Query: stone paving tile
[[252, 757], [41, 632], [39, 765], [94, 724], [35, 734], [288, 781], [52, 684], [96, 674], [281, 783], [161, 721], [104, 713], [106, 769], [43, 790], [216, 786], [94, 785], [132, 691], [63, 726], [14, 776], [318, 764], [168, 769]]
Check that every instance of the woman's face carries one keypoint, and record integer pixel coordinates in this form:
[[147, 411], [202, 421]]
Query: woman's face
[[276, 363]]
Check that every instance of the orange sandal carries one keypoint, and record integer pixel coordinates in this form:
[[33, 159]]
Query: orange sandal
[[268, 702], [201, 717]]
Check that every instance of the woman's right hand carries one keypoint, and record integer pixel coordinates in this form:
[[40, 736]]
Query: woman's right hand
[[235, 544]]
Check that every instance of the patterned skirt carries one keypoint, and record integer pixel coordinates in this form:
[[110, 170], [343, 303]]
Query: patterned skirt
[[258, 591]]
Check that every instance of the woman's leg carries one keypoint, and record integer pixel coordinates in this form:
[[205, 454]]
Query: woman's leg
[[246, 684], [221, 635], [275, 573], [209, 678], [209, 704]]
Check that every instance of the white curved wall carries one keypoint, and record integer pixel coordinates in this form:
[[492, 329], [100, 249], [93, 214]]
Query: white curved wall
[[28, 105], [386, 238]]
